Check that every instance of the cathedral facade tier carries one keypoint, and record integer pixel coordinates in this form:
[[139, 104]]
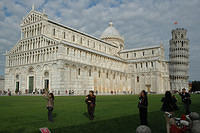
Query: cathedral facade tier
[[179, 60], [66, 61]]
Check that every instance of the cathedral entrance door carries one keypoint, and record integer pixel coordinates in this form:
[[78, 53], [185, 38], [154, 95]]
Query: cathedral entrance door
[[46, 84], [17, 87], [31, 84]]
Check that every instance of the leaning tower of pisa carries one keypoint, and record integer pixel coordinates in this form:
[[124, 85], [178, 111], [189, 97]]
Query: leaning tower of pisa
[[179, 59]]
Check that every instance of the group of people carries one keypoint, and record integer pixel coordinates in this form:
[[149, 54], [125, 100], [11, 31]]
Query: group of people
[[4, 92], [90, 101], [169, 105]]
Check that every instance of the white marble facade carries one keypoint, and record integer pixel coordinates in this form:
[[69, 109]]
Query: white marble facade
[[1, 83], [52, 56]]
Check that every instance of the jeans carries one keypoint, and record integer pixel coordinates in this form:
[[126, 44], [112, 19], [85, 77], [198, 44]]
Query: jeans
[[50, 110], [91, 108], [187, 108], [143, 116]]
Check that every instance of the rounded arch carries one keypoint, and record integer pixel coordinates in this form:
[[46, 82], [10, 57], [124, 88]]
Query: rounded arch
[[45, 67], [31, 69], [38, 68]]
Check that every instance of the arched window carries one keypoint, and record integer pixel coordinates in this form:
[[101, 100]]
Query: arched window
[[182, 36], [64, 35], [90, 73], [88, 43], [73, 38], [79, 71], [107, 75], [67, 50], [138, 79], [152, 64], [54, 31], [81, 40], [74, 52], [99, 74], [94, 45]]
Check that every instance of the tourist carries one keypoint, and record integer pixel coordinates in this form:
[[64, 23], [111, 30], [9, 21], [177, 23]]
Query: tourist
[[9, 92], [174, 102], [90, 101], [143, 105], [169, 105], [50, 104], [186, 100]]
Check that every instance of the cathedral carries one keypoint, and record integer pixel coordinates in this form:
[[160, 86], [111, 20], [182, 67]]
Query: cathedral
[[66, 61]]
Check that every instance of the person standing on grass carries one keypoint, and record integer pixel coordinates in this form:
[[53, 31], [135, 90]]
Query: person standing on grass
[[186, 100], [169, 105], [91, 103], [143, 105], [50, 104]]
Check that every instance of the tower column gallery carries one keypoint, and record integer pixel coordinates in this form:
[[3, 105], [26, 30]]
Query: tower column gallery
[[179, 59]]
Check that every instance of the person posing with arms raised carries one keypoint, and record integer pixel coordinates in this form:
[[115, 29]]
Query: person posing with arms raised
[[142, 105], [91, 103], [50, 104], [186, 100], [169, 105]]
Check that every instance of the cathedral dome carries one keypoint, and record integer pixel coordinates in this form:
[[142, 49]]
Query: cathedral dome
[[110, 32]]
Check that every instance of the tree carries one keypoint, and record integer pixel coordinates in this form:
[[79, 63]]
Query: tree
[[195, 86]]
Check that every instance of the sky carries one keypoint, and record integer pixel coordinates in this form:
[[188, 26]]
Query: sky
[[140, 22]]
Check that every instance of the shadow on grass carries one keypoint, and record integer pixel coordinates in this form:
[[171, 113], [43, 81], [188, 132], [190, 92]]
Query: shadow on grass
[[125, 124]]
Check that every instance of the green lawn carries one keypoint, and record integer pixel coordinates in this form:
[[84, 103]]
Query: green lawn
[[114, 114]]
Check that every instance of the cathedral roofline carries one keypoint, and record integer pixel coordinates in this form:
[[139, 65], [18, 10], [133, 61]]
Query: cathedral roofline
[[37, 12], [143, 60], [42, 35], [80, 32], [109, 56], [142, 48]]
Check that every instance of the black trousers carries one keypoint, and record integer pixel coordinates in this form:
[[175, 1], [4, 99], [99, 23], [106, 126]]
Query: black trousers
[[91, 108], [50, 110], [187, 108], [143, 116]]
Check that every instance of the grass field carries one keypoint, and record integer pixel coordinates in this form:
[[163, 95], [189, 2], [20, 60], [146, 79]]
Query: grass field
[[114, 114]]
